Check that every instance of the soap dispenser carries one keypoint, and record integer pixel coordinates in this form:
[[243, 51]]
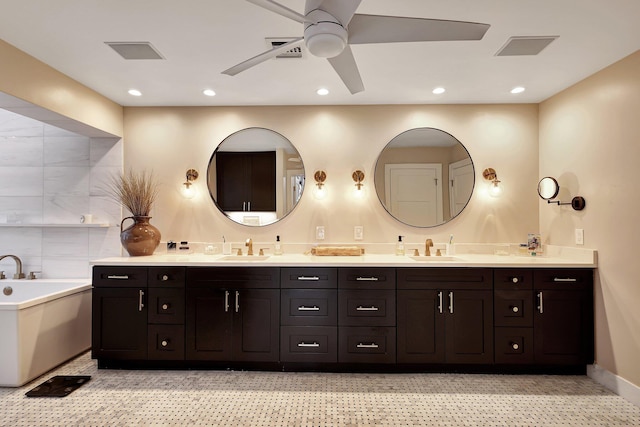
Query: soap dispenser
[[277, 248], [400, 247]]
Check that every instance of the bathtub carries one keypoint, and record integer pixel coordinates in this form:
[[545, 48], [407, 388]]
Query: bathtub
[[43, 323]]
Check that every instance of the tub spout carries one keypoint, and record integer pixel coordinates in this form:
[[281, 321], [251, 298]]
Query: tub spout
[[19, 274]]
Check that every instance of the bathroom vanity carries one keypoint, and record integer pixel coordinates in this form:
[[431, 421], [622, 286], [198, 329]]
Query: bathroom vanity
[[372, 312]]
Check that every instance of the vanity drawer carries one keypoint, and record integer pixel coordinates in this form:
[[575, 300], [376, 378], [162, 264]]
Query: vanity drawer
[[233, 277], [121, 277], [367, 278], [311, 344], [445, 278], [366, 308], [165, 342], [166, 306], [167, 277], [513, 308], [366, 345], [513, 345], [309, 278], [565, 278], [309, 307], [513, 278]]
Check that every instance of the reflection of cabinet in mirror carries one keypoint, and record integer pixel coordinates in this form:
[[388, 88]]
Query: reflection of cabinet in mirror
[[246, 181]]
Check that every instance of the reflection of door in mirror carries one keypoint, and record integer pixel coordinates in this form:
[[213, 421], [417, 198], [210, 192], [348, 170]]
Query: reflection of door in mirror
[[461, 180], [295, 185], [413, 192]]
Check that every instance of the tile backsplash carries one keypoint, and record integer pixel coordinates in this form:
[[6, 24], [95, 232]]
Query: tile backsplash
[[52, 176]]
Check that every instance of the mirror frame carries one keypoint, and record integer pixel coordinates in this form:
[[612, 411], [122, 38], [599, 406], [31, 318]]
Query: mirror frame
[[211, 170], [548, 181], [380, 191]]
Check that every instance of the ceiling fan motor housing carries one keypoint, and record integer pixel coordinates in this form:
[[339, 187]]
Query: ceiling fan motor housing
[[324, 36]]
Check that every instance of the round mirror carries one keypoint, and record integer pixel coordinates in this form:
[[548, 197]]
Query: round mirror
[[255, 176], [424, 177], [548, 188]]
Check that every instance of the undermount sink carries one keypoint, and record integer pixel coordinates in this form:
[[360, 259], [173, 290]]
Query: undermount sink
[[244, 258], [435, 258]]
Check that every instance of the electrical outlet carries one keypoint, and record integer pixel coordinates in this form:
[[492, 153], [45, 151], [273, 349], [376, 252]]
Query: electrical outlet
[[579, 236], [358, 232], [320, 232]]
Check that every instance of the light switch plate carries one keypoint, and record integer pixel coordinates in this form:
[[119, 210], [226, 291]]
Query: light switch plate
[[320, 232], [579, 236], [358, 232]]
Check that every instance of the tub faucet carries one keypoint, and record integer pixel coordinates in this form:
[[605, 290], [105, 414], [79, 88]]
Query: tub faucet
[[428, 244], [19, 274], [249, 243]]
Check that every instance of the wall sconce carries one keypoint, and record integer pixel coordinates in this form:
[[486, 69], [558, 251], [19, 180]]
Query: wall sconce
[[188, 191], [358, 177], [548, 189], [495, 188], [320, 192]]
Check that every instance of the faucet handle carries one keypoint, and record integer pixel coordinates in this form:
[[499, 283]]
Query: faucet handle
[[416, 252], [261, 252], [18, 276], [2, 276], [239, 252], [32, 275]]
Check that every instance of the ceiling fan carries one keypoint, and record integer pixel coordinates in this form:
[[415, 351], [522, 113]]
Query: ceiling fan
[[331, 26]]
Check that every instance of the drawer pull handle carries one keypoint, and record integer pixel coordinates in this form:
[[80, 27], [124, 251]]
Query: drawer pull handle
[[310, 344], [118, 277], [515, 309], [564, 279], [308, 278], [515, 346], [165, 306], [367, 279], [305, 308], [164, 343], [165, 277], [515, 279], [372, 308], [372, 345]]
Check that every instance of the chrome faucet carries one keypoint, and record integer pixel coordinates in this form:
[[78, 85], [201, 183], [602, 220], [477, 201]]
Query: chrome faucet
[[428, 244], [249, 243], [19, 274]]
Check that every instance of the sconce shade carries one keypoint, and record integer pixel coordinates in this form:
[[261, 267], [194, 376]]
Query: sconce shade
[[320, 192], [188, 191], [495, 188]]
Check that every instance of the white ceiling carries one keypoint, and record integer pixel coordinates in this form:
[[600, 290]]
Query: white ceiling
[[201, 38]]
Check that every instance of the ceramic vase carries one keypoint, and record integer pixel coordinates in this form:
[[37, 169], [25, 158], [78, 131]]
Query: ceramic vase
[[140, 238]]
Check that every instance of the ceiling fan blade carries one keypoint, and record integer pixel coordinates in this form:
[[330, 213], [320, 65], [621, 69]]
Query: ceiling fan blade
[[343, 10], [262, 57], [390, 29], [346, 67], [279, 9]]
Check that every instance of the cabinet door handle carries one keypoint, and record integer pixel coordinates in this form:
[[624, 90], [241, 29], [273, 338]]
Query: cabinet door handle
[[118, 277], [249, 204], [367, 279], [244, 206], [308, 278], [451, 302], [540, 303], [305, 308], [372, 308], [311, 344], [440, 305], [565, 279], [372, 345], [140, 301], [237, 301], [226, 301]]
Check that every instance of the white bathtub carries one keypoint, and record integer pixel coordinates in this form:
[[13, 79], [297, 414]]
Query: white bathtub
[[43, 323]]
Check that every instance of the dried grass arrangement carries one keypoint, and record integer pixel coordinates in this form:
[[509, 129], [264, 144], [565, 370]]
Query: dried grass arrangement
[[136, 191]]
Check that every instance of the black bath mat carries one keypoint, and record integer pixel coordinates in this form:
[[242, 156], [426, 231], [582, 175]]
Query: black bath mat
[[58, 386]]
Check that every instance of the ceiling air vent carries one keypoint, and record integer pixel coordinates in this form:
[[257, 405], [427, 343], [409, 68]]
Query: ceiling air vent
[[517, 46], [296, 52], [135, 50]]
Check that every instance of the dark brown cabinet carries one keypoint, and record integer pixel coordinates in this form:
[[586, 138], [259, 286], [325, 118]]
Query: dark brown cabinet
[[246, 181], [445, 315], [233, 314]]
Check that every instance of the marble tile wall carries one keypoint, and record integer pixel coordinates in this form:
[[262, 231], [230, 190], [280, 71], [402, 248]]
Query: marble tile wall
[[52, 176]]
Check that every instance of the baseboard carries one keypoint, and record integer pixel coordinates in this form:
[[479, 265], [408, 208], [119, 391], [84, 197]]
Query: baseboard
[[616, 384]]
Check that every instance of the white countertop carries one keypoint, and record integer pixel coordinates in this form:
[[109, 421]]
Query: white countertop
[[555, 257]]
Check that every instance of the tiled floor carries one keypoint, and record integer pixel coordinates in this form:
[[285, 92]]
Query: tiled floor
[[226, 398]]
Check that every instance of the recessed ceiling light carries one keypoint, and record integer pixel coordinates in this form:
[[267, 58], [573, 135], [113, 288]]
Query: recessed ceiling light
[[438, 90], [135, 92], [209, 92], [322, 91], [517, 89]]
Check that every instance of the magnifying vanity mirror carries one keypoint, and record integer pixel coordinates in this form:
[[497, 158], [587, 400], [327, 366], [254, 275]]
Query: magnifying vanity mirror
[[424, 177], [255, 176], [548, 189]]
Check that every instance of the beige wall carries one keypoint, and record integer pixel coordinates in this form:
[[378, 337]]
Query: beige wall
[[339, 140], [589, 140]]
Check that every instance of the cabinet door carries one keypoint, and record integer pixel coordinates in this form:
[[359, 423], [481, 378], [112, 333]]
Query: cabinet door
[[209, 324], [469, 327], [420, 326], [562, 327], [256, 325], [119, 330], [232, 181], [262, 185]]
